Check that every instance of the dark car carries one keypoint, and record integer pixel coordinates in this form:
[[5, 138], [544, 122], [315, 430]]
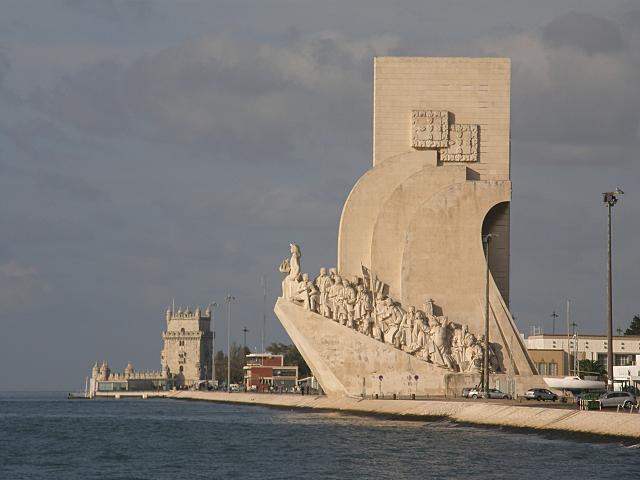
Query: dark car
[[540, 394]]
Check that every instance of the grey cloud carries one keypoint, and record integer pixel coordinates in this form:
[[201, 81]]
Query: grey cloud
[[91, 100], [243, 100], [20, 287], [114, 10], [583, 31], [571, 96], [4, 65]]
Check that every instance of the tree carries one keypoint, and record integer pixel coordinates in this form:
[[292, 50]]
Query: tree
[[634, 328], [238, 360], [291, 357], [591, 367]]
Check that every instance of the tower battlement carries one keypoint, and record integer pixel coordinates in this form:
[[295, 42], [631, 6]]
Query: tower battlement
[[187, 313]]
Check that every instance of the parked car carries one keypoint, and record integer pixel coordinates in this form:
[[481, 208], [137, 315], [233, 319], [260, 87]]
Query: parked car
[[540, 394], [491, 393], [613, 399], [465, 391]]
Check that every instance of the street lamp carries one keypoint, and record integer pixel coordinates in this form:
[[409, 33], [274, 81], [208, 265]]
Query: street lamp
[[485, 374], [610, 199], [245, 330], [211, 307], [229, 299], [554, 315]]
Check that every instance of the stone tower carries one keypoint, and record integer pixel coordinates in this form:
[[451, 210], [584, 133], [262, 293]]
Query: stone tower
[[188, 343]]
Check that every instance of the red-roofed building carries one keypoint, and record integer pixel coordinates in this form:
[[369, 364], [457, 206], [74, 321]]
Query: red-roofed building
[[265, 370]]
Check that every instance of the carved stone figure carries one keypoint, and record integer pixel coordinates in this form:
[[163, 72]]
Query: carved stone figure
[[292, 268], [363, 310], [458, 345], [335, 297], [307, 294], [421, 335], [349, 297], [438, 344], [323, 283], [473, 355], [406, 333]]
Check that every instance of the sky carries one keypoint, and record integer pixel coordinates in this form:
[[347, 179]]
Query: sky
[[159, 150]]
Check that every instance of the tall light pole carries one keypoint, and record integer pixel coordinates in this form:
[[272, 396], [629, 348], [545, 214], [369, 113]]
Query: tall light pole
[[485, 374], [212, 307], [263, 280], [610, 199], [229, 299], [568, 371]]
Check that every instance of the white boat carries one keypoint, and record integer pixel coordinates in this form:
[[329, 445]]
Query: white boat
[[573, 383]]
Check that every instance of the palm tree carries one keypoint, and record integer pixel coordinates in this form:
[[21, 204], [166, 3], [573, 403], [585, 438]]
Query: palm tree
[[592, 367]]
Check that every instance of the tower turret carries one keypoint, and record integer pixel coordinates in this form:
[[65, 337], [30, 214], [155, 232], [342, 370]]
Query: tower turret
[[95, 371]]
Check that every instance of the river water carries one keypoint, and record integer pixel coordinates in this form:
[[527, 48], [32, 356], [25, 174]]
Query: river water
[[46, 436]]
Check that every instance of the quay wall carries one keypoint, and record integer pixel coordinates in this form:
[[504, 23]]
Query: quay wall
[[610, 423]]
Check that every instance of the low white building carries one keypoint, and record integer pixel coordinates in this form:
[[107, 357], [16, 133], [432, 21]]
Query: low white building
[[590, 347]]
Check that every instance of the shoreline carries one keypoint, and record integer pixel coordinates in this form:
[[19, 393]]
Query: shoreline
[[611, 424]]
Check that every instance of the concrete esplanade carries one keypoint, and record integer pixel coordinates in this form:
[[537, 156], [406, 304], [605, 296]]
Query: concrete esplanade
[[479, 413]]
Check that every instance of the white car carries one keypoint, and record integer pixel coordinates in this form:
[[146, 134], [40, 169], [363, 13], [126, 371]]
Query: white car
[[491, 393]]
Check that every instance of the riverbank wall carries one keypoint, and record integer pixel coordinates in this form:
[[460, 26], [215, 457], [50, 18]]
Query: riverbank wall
[[609, 423]]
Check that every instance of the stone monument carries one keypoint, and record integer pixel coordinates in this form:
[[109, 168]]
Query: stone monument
[[404, 311]]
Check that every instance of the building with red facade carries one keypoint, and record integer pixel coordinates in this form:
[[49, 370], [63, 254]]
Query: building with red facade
[[265, 371]]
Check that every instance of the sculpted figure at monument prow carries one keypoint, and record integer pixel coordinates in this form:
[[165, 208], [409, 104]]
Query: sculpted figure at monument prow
[[411, 228]]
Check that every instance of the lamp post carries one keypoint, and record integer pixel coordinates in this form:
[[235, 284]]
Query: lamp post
[[212, 307], [263, 281], [485, 374], [610, 199], [380, 385], [245, 330], [229, 298]]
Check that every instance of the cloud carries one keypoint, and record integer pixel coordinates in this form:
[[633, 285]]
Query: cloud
[[242, 100], [583, 31], [574, 83], [20, 286], [117, 11]]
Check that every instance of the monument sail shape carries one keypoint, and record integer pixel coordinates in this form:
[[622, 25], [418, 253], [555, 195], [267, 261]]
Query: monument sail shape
[[404, 310]]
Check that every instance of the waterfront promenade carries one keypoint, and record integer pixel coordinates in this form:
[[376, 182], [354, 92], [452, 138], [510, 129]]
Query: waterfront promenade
[[532, 416]]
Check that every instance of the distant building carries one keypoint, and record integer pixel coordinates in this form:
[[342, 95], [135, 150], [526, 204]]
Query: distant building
[[554, 354], [186, 358], [188, 345], [265, 370], [104, 380]]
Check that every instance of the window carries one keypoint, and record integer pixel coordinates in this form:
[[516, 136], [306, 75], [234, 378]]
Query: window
[[623, 359], [542, 368], [602, 360], [553, 368]]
